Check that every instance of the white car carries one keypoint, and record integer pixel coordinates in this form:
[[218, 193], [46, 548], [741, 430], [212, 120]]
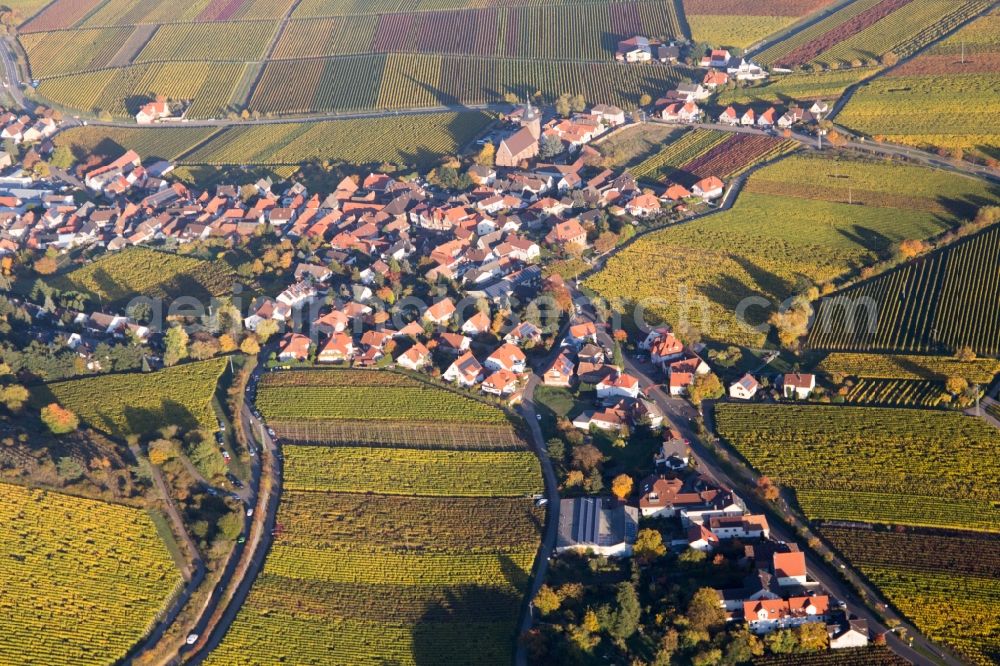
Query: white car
[[192, 639], [249, 513]]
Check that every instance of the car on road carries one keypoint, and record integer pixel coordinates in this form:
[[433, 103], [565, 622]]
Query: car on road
[[270, 431], [192, 639], [250, 512], [241, 539]]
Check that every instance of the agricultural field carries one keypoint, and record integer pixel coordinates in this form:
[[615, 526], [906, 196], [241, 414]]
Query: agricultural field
[[117, 277], [412, 471], [389, 403], [703, 153], [385, 82], [140, 403], [896, 393], [372, 408], [110, 57], [887, 366], [862, 32], [527, 31], [58, 53], [209, 86], [77, 596], [386, 554], [739, 24], [416, 141], [934, 304], [921, 467], [943, 98], [167, 143], [945, 583], [873, 655], [799, 217], [803, 87]]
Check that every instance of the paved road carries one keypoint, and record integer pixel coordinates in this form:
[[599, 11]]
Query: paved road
[[527, 410], [11, 78], [682, 415], [258, 544]]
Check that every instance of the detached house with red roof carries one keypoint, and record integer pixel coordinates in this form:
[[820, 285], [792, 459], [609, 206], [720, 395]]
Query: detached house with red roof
[[441, 312], [339, 348], [294, 347], [501, 383], [729, 117], [506, 357], [414, 358], [465, 371], [798, 385], [643, 205], [568, 233], [476, 324], [561, 372], [790, 568], [581, 333], [618, 385], [708, 188], [152, 112], [683, 373]]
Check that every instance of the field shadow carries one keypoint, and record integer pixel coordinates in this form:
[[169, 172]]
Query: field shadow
[[141, 420], [457, 627]]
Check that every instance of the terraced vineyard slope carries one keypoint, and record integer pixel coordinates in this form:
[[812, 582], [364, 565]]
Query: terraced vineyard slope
[[140, 403], [946, 97], [802, 216], [945, 582], [935, 304], [920, 467], [83, 595], [399, 550]]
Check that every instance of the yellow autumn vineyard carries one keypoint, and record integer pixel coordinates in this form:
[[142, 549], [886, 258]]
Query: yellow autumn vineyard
[[80, 596]]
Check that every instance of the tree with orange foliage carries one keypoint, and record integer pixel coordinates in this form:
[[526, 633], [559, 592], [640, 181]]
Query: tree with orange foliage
[[59, 419], [621, 486]]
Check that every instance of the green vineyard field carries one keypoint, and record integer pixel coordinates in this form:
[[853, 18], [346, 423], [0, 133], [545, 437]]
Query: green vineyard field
[[913, 459], [141, 403], [798, 217], [391, 555], [934, 304], [77, 596], [945, 583]]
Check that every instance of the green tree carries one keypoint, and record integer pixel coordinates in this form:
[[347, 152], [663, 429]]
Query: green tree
[[13, 397], [176, 343], [782, 641], [648, 545], [709, 657], [578, 103], [231, 525], [62, 158], [547, 601], [267, 329], [69, 470], [812, 637], [625, 619], [563, 104]]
